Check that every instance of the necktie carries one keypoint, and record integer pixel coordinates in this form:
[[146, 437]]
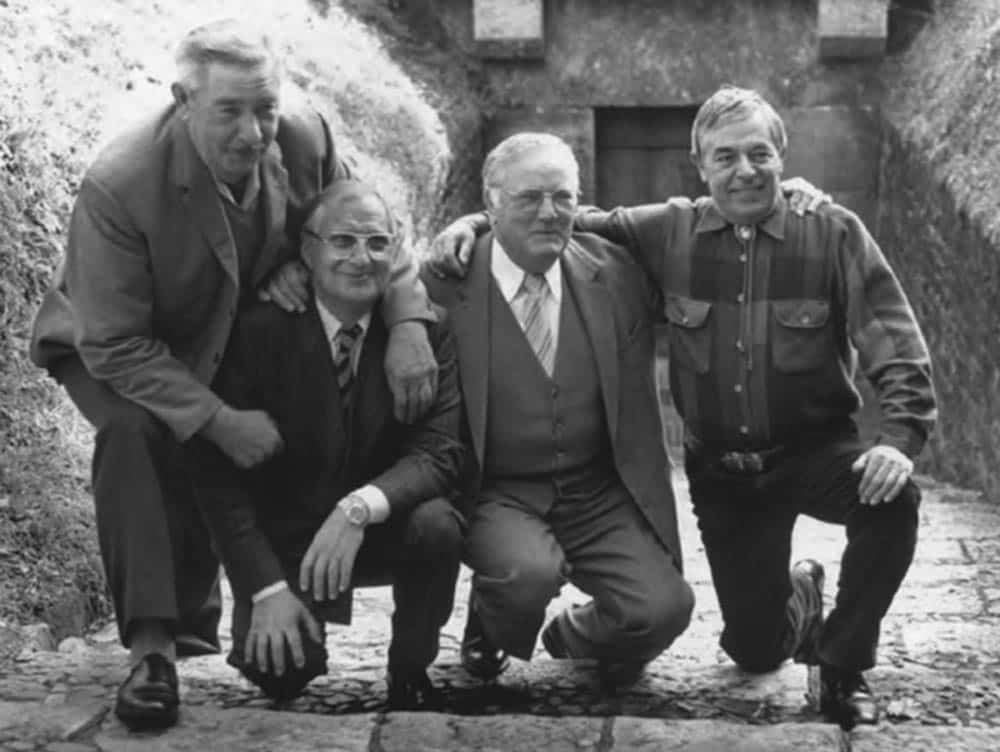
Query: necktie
[[534, 298], [343, 346]]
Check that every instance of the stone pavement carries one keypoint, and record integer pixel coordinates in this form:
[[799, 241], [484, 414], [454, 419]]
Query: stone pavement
[[938, 677]]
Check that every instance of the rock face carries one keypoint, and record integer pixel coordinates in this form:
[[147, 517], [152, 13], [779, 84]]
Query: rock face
[[939, 223]]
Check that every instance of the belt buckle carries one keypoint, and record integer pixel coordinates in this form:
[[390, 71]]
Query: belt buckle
[[751, 463]]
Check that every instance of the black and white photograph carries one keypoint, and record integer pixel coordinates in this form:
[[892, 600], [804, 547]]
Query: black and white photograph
[[455, 375]]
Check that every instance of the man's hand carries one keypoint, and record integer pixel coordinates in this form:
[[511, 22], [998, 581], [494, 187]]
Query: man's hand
[[329, 563], [886, 470], [248, 437], [288, 287], [451, 250], [411, 370], [803, 196], [276, 620]]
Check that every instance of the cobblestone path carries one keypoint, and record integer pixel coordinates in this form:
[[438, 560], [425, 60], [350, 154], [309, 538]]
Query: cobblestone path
[[938, 677]]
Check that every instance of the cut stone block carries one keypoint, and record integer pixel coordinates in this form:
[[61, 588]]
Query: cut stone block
[[644, 735], [853, 28]]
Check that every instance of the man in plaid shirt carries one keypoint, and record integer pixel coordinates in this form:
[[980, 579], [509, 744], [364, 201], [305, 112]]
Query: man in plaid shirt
[[769, 314]]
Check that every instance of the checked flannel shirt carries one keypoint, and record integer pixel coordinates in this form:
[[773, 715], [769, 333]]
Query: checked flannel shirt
[[767, 323]]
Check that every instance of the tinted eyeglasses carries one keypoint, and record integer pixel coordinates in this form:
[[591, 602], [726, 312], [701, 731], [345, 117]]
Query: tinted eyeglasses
[[344, 244], [563, 200]]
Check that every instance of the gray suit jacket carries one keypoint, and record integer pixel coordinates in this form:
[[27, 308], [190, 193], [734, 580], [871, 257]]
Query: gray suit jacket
[[616, 304]]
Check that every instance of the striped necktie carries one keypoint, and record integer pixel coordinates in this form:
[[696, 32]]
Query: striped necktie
[[533, 299], [343, 345]]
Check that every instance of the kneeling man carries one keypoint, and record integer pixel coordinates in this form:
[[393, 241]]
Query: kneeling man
[[354, 497]]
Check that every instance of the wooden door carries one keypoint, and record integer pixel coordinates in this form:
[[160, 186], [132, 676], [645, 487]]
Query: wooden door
[[642, 155]]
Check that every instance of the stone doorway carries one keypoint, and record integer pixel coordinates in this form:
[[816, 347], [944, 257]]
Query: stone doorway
[[642, 155]]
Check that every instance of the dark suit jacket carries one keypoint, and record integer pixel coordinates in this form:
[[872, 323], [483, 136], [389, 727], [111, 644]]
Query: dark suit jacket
[[264, 519], [149, 287], [616, 304]]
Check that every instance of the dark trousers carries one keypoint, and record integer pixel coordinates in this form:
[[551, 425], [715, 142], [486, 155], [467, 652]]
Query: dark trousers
[[156, 550], [419, 555], [746, 526], [602, 544]]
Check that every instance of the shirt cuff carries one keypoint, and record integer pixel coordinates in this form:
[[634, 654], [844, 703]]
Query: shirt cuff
[[375, 499], [267, 592]]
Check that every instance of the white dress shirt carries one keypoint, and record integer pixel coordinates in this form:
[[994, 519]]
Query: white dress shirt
[[509, 277]]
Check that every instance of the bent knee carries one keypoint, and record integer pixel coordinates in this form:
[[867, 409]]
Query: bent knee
[[662, 615], [435, 527]]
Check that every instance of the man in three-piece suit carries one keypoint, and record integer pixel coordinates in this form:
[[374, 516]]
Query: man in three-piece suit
[[176, 223], [555, 350], [355, 496]]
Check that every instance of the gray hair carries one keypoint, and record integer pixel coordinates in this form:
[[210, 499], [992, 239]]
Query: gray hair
[[731, 103], [228, 41], [513, 147]]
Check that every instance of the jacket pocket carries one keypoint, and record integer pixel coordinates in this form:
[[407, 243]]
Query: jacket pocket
[[800, 338], [690, 335]]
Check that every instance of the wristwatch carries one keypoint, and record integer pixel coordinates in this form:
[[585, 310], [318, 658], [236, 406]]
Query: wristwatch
[[356, 510]]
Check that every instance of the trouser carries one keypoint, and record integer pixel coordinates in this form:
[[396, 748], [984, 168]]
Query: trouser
[[157, 553], [746, 524], [603, 544], [419, 555]]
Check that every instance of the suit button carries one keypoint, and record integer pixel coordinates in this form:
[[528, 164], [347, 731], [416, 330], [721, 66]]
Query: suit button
[[738, 388], [744, 430]]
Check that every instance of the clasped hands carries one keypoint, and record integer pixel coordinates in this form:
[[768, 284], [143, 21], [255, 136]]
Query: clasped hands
[[280, 618]]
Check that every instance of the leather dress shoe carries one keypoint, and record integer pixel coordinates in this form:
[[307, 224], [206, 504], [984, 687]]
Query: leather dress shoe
[[411, 690], [845, 698], [614, 675], [148, 698], [807, 578], [480, 657]]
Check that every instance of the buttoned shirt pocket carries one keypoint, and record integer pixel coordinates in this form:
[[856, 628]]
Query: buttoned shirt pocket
[[690, 334], [801, 338]]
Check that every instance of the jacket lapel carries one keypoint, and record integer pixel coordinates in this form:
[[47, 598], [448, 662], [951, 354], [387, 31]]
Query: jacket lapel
[[202, 199], [470, 324], [274, 196], [598, 316]]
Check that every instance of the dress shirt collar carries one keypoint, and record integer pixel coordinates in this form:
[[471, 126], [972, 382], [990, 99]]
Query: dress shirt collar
[[710, 218], [250, 192], [331, 324], [509, 275]]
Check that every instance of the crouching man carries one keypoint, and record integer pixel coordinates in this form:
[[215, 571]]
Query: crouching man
[[353, 497]]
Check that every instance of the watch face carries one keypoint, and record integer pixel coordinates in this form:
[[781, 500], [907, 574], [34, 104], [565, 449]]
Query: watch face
[[357, 514]]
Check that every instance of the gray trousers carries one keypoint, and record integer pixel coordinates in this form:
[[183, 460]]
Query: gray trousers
[[521, 557]]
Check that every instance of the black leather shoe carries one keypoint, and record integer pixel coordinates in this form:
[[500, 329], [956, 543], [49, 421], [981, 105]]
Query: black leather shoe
[[618, 675], [845, 698], [807, 577], [480, 657], [148, 698], [411, 691]]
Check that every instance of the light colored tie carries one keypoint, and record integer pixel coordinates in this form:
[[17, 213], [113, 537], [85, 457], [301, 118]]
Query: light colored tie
[[343, 345], [533, 298]]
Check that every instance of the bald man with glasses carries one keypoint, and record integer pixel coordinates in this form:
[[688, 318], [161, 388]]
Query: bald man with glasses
[[354, 496]]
